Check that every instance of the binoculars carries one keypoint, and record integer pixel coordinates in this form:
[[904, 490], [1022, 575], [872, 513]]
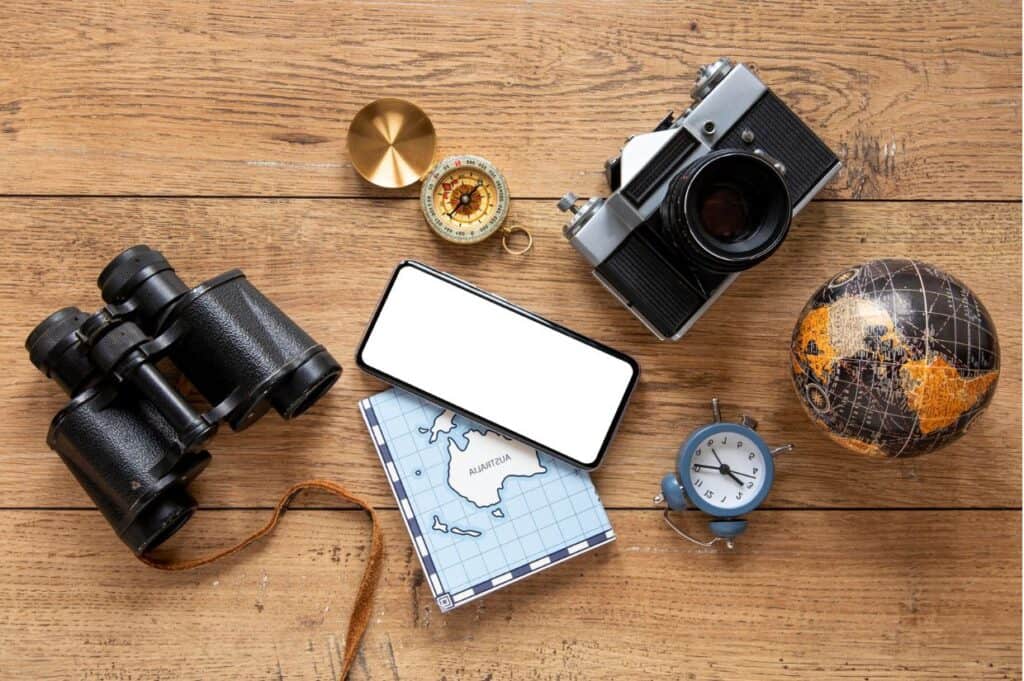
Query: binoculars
[[130, 438]]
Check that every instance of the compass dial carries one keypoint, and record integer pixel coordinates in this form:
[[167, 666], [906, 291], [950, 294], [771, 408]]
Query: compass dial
[[465, 199]]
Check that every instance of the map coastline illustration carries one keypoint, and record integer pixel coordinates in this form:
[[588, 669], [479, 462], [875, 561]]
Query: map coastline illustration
[[479, 471]]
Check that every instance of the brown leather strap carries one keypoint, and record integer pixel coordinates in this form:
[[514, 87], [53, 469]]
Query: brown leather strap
[[364, 596]]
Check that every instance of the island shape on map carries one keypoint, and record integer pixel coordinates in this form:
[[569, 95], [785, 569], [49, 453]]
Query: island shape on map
[[444, 423], [478, 472], [440, 526]]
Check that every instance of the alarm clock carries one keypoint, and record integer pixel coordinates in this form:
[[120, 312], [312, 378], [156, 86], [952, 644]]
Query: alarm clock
[[725, 470]]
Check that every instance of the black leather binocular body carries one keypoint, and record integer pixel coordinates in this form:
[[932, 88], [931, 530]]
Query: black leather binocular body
[[129, 437]]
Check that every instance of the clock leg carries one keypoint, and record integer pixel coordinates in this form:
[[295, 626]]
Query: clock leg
[[728, 529]]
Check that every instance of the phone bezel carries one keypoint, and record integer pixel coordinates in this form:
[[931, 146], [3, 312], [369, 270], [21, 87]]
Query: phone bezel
[[497, 300]]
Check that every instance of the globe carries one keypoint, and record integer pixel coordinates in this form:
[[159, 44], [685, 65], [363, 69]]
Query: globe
[[894, 358]]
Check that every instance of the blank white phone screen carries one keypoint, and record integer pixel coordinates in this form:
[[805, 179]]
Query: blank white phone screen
[[525, 377]]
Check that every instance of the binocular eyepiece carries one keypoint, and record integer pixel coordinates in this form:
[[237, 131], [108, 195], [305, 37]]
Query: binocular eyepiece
[[129, 437]]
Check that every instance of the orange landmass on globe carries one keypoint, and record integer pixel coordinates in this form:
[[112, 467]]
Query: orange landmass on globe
[[938, 394], [856, 445], [840, 330], [814, 330]]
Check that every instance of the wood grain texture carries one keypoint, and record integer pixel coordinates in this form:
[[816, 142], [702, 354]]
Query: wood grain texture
[[920, 100], [895, 595], [856, 570], [326, 262]]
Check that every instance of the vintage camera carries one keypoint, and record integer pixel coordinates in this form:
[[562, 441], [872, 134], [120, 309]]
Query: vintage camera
[[700, 199], [129, 437]]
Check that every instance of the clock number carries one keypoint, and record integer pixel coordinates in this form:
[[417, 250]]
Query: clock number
[[711, 443], [750, 485], [739, 445], [699, 482], [722, 500], [755, 470], [710, 493], [739, 495], [696, 468], [725, 439], [750, 457]]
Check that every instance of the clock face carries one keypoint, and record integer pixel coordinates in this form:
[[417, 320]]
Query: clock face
[[465, 199], [728, 471]]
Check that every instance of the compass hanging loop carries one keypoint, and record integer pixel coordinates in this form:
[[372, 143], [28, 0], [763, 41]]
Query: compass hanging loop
[[506, 234]]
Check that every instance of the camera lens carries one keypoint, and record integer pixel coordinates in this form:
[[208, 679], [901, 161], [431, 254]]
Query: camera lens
[[727, 211], [724, 214]]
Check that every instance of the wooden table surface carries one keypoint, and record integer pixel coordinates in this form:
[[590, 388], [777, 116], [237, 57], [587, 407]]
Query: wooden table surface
[[216, 133]]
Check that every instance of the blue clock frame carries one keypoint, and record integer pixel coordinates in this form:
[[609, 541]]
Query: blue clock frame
[[689, 448]]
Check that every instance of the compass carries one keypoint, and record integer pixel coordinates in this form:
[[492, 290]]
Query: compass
[[465, 199]]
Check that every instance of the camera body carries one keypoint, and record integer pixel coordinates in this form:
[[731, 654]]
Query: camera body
[[699, 199]]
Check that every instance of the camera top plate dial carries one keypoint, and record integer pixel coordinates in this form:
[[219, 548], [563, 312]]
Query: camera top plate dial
[[465, 199]]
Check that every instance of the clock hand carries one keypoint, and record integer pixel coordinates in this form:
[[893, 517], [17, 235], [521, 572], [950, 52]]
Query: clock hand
[[717, 458], [745, 475], [723, 469]]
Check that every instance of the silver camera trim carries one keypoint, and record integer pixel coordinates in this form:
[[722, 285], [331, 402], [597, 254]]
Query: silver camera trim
[[597, 233]]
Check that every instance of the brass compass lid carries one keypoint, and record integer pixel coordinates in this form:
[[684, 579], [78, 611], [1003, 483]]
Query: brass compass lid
[[391, 143]]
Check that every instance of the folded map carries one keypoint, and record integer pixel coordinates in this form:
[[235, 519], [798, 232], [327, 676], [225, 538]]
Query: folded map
[[483, 511]]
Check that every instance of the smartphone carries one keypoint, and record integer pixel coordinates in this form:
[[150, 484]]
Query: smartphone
[[482, 357]]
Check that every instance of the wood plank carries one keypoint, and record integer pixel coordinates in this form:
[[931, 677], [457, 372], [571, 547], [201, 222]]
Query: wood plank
[[920, 100], [905, 595], [326, 262]]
